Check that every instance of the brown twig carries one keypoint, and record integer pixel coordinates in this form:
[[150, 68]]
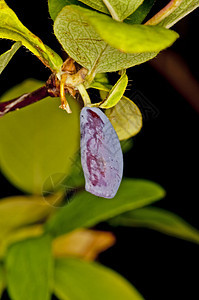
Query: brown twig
[[54, 87], [51, 88], [23, 100]]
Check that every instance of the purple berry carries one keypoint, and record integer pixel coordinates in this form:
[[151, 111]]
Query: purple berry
[[101, 154]]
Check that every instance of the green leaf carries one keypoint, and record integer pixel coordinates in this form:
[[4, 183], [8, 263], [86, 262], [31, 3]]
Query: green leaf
[[2, 279], [55, 6], [16, 212], [126, 118], [44, 138], [121, 9], [129, 38], [11, 28], [29, 269], [86, 210], [140, 14], [19, 234], [115, 93], [97, 4], [160, 220], [81, 41], [173, 12], [76, 279], [126, 145], [101, 83], [7, 56]]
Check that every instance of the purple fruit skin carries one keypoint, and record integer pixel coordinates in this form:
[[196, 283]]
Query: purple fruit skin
[[101, 153]]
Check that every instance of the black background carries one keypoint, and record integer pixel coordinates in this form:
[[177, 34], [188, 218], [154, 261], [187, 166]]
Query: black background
[[165, 151]]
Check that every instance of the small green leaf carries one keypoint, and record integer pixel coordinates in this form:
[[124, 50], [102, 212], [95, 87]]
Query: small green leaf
[[16, 212], [44, 138], [80, 40], [129, 38], [101, 83], [115, 93], [126, 145], [160, 220], [7, 56], [11, 28], [29, 269], [173, 12], [86, 210], [76, 279], [126, 118], [121, 9], [140, 14], [2, 279]]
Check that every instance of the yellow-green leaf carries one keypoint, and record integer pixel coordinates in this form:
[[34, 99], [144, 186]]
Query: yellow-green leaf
[[11, 28], [81, 41], [2, 279], [129, 38], [55, 6], [16, 235], [44, 138], [121, 9], [96, 4], [126, 118], [115, 93], [75, 279], [7, 56], [160, 220], [86, 210], [29, 267], [19, 211]]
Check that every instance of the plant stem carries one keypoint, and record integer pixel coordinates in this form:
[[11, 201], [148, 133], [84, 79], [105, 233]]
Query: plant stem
[[23, 100], [83, 92], [163, 13]]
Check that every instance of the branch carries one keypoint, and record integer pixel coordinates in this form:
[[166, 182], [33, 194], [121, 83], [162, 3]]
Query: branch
[[54, 87], [163, 13], [51, 88]]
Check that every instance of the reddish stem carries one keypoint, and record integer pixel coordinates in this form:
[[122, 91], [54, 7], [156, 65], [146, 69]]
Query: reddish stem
[[23, 100]]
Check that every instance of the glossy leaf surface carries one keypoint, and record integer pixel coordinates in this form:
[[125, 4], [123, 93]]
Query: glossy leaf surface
[[101, 154], [86, 210], [44, 138], [7, 56], [76, 279]]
